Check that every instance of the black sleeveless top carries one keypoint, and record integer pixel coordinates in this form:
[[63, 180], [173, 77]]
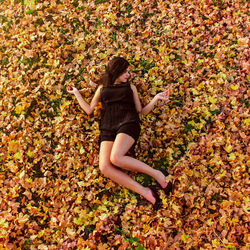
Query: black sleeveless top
[[118, 107]]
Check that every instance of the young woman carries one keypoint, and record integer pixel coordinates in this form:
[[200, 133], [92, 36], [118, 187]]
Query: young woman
[[120, 128]]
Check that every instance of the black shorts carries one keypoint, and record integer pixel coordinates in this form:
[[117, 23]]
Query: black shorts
[[132, 129]]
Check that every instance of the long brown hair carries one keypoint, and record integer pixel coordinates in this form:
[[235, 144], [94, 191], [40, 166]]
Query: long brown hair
[[116, 67]]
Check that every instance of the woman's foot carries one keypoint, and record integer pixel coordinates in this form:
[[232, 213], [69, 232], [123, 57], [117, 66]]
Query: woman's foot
[[161, 179], [166, 186], [149, 196], [152, 196]]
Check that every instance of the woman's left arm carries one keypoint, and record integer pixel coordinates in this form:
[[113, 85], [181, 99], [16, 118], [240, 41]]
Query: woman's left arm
[[145, 110]]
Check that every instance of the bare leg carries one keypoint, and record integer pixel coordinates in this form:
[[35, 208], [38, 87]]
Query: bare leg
[[122, 144], [118, 176]]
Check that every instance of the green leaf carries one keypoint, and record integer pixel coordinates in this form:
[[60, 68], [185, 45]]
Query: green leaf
[[188, 128], [139, 247], [133, 240], [100, 1]]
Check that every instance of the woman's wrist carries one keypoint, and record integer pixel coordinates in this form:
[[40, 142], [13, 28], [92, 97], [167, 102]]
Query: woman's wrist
[[155, 99], [77, 93]]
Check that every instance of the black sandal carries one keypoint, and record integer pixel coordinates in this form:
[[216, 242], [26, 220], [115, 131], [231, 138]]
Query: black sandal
[[169, 188], [158, 202]]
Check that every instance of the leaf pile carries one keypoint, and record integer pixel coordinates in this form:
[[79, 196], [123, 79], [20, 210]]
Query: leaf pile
[[52, 195]]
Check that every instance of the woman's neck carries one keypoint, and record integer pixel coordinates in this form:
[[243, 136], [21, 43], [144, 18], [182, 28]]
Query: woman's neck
[[117, 82]]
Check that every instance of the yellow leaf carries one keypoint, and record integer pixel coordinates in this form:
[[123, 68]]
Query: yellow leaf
[[228, 148], [222, 173], [210, 222], [162, 48], [32, 237], [22, 219], [29, 180], [184, 237], [82, 150], [222, 220], [30, 119], [232, 156], [247, 121], [216, 243], [57, 156], [195, 92], [243, 42], [29, 206], [110, 16], [80, 57], [92, 70], [41, 233], [65, 104], [235, 221], [81, 183], [29, 2], [78, 221], [101, 55], [103, 216], [246, 209], [152, 78], [30, 154], [78, 200], [70, 231], [168, 27], [201, 85], [233, 102], [56, 63], [181, 93], [176, 208], [36, 142], [181, 80], [14, 146], [3, 222], [13, 168], [18, 155], [224, 76], [212, 99], [167, 59], [234, 87], [22, 174], [19, 109]]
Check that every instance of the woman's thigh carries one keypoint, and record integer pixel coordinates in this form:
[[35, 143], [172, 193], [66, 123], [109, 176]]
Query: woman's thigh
[[123, 142], [104, 155]]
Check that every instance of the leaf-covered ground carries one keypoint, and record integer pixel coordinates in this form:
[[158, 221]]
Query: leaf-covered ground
[[52, 195]]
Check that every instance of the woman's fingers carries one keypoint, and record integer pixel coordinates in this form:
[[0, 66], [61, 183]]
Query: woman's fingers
[[168, 91], [163, 96], [71, 90]]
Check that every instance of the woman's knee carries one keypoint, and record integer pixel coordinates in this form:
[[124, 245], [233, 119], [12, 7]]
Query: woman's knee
[[115, 159], [105, 169]]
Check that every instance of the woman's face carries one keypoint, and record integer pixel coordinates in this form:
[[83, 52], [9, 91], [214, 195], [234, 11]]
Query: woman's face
[[123, 77]]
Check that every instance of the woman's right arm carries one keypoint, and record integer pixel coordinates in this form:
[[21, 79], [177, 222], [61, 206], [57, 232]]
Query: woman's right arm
[[88, 108]]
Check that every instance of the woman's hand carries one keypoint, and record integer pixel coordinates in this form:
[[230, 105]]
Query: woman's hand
[[161, 96], [164, 95], [73, 90]]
